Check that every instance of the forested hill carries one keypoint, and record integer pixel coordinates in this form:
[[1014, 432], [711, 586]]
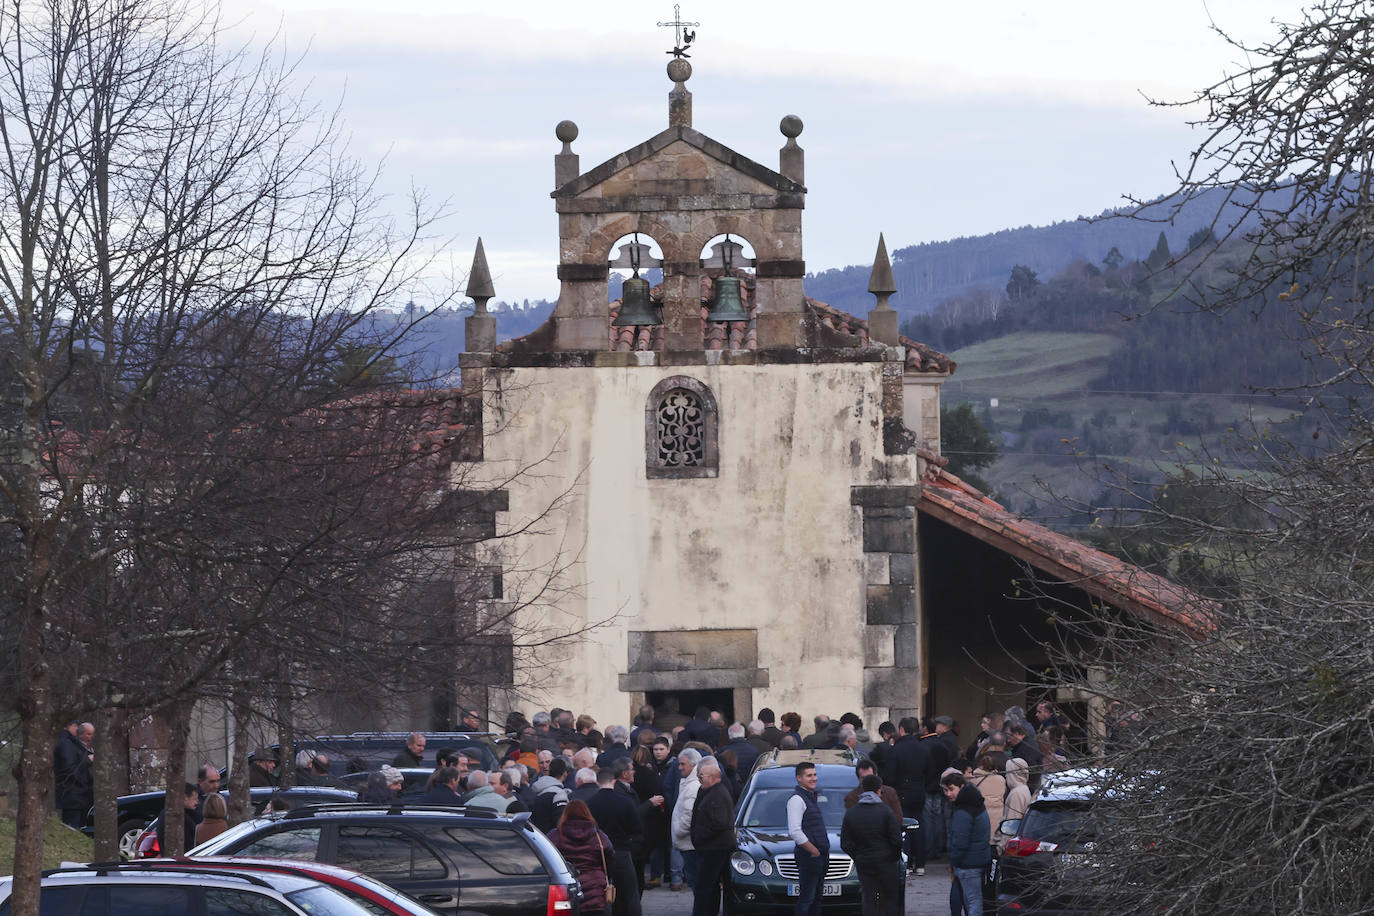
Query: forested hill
[[929, 273]]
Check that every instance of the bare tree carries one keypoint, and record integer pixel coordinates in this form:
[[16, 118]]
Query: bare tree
[[1242, 747], [184, 251]]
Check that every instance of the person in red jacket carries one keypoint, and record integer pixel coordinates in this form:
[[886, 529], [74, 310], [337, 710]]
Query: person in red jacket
[[586, 849]]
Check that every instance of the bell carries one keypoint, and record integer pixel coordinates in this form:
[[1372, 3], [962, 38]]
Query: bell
[[635, 306], [726, 304]]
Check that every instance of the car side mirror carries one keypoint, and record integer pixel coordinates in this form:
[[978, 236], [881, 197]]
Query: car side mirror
[[1009, 827]]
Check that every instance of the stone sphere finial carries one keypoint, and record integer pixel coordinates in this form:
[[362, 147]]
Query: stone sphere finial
[[679, 70], [566, 131], [791, 127]]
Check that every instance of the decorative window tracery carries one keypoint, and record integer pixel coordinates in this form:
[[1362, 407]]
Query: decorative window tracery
[[680, 427], [681, 430]]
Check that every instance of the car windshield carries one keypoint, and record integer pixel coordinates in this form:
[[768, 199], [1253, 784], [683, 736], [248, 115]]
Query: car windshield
[[325, 901], [768, 807]]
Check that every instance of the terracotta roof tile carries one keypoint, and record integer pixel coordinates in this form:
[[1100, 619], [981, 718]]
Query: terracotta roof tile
[[1121, 584]]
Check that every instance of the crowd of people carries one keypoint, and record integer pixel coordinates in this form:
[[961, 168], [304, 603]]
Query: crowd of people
[[653, 804]]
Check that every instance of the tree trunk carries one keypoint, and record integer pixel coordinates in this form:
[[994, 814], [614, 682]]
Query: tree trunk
[[35, 801], [240, 802], [173, 808], [286, 754], [108, 775]]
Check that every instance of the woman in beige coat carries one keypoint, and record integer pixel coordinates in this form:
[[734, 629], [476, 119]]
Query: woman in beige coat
[[993, 788], [1018, 796]]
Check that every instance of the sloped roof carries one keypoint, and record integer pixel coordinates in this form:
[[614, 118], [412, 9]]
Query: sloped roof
[[713, 148], [1116, 582]]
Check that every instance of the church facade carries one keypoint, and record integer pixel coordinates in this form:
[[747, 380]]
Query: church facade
[[722, 491]]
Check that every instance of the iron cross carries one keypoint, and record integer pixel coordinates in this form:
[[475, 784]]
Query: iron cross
[[681, 38]]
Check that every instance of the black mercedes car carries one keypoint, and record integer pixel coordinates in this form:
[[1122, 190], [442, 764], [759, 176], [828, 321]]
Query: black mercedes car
[[763, 870]]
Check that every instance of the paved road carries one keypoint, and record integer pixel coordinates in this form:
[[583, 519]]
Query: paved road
[[927, 896]]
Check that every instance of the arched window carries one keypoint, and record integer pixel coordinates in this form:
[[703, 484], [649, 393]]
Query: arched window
[[680, 430]]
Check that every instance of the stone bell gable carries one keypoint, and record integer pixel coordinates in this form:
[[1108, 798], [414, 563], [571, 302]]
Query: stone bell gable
[[681, 189]]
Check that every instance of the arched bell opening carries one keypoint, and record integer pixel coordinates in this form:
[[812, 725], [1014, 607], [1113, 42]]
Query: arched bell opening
[[635, 268], [727, 270]]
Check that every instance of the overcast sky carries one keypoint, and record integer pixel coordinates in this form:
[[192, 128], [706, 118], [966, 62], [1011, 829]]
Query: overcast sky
[[924, 121]]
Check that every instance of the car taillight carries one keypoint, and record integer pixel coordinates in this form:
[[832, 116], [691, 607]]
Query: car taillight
[[559, 902], [1019, 846]]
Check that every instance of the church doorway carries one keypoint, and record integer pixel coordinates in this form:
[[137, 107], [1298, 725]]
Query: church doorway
[[721, 700]]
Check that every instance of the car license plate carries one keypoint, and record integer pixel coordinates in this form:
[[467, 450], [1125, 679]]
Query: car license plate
[[829, 889]]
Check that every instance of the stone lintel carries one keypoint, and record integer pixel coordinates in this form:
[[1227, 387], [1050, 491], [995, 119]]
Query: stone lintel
[[694, 679]]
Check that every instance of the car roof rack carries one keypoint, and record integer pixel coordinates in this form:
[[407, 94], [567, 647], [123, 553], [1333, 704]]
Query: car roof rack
[[105, 868], [396, 808]]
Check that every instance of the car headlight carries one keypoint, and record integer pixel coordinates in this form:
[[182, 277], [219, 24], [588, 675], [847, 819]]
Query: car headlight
[[742, 863], [765, 867]]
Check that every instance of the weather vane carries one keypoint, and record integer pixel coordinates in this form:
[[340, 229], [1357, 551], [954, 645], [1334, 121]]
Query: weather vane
[[682, 37]]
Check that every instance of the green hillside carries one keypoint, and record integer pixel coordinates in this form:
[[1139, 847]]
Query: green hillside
[[1033, 364], [1063, 430]]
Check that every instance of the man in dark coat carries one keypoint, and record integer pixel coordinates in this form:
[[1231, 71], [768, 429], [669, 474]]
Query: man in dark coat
[[190, 819], [699, 729], [911, 772], [881, 752], [617, 735], [771, 733], [818, 737], [745, 753], [969, 850], [617, 814], [262, 768], [872, 835], [1022, 744], [885, 792], [550, 796], [713, 837], [445, 790], [413, 754], [71, 767]]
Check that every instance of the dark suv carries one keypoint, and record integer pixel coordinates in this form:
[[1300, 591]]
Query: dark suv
[[447, 858], [1046, 865]]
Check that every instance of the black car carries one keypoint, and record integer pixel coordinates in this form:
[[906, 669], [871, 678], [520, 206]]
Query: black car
[[447, 858], [135, 812], [763, 870], [1046, 865]]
